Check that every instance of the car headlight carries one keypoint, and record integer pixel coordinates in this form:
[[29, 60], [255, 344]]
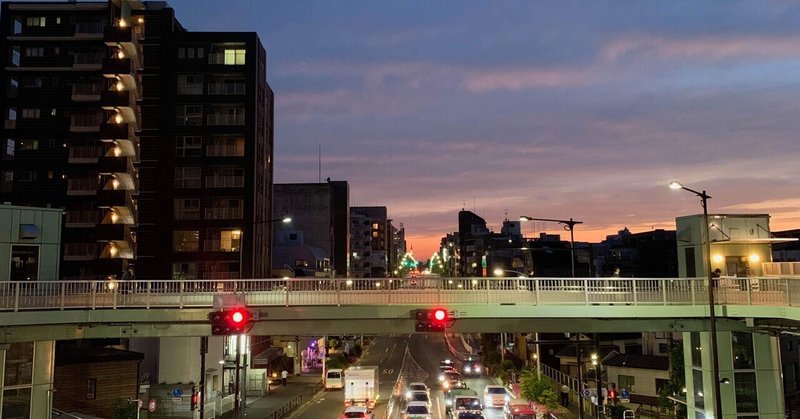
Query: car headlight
[[441, 377], [408, 395], [507, 398], [467, 369], [446, 384], [477, 369]]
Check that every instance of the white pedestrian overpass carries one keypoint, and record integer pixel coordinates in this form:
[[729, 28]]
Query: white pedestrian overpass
[[93, 309]]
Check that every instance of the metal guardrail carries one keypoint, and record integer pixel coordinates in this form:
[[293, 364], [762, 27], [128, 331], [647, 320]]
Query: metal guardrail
[[117, 294], [282, 411]]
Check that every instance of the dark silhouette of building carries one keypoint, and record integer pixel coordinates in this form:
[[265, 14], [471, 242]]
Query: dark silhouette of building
[[650, 254], [156, 141]]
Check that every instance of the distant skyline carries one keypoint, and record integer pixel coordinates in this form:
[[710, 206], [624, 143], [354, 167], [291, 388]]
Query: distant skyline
[[551, 109]]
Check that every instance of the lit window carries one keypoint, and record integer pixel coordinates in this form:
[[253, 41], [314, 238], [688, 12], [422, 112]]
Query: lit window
[[31, 113], [36, 21], [34, 52], [234, 57], [186, 241]]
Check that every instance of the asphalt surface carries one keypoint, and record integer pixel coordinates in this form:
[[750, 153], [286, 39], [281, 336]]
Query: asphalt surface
[[402, 359]]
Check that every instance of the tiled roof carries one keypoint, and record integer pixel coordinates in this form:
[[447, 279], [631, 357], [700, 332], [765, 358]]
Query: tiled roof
[[648, 362]]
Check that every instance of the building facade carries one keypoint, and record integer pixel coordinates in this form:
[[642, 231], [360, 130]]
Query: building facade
[[30, 242], [370, 242], [156, 141]]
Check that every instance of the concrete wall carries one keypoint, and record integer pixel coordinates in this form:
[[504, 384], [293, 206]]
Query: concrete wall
[[645, 380], [48, 220]]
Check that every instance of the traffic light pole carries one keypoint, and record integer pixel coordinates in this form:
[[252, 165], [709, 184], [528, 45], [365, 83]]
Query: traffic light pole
[[237, 397], [203, 350]]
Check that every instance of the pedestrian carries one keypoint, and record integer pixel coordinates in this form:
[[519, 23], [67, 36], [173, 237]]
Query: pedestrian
[[565, 395], [284, 376]]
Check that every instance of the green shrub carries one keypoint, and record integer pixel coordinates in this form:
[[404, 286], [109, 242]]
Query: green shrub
[[508, 365], [337, 362]]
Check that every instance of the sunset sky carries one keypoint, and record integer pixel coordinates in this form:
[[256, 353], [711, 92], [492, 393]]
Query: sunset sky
[[549, 109]]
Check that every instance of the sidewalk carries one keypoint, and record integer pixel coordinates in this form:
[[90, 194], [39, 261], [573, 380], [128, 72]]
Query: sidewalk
[[259, 407]]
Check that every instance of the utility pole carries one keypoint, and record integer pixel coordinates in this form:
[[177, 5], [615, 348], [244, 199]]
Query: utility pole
[[580, 374], [203, 352]]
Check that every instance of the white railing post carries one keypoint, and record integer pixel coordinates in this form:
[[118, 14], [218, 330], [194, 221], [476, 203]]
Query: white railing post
[[663, 290], [62, 287], [585, 291], [147, 298], [94, 294], [536, 289], [16, 296], [789, 293], [691, 290], [114, 296], [749, 292], [286, 294], [180, 295], [633, 288], [338, 293], [487, 291]]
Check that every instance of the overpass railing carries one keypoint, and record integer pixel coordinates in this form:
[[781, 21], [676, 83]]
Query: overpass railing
[[117, 294]]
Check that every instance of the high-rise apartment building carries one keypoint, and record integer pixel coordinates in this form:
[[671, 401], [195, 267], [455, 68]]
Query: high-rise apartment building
[[156, 141]]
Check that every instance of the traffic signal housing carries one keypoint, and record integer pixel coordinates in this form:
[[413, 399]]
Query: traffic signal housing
[[232, 321], [431, 320], [195, 399]]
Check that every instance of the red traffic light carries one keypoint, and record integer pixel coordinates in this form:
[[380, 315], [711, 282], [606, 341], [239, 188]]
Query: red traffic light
[[228, 322], [440, 314]]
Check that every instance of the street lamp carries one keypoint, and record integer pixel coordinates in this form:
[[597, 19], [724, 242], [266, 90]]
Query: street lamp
[[499, 272], [569, 225], [712, 317]]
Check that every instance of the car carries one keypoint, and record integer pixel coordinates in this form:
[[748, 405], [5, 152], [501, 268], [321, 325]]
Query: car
[[357, 412], [417, 387], [416, 410], [451, 394], [420, 396], [471, 367], [495, 396], [467, 414], [334, 379], [518, 409], [467, 403], [452, 380]]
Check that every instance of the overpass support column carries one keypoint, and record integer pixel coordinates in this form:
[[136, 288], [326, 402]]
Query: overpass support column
[[26, 376], [749, 371]]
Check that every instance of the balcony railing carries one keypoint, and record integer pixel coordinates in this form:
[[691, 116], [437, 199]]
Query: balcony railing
[[86, 186], [219, 246], [84, 154], [81, 218], [224, 213], [224, 181], [89, 28], [225, 119], [85, 122], [80, 251], [781, 268], [86, 91], [88, 59], [189, 120], [574, 292], [226, 88], [225, 150]]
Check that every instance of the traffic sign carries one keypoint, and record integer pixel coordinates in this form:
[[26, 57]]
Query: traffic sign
[[177, 392], [625, 394], [151, 407], [586, 392]]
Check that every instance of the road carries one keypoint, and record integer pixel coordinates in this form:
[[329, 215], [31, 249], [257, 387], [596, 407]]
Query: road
[[403, 359]]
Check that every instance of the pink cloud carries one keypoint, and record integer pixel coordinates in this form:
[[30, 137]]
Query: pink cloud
[[516, 79], [707, 48]]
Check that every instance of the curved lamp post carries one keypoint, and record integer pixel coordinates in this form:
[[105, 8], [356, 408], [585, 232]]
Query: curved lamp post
[[712, 317], [569, 225]]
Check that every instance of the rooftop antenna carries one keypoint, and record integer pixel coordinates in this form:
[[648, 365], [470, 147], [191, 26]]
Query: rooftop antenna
[[319, 165]]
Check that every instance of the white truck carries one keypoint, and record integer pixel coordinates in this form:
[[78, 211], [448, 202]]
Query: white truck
[[361, 386]]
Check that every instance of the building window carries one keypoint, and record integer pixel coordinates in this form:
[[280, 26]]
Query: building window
[[15, 55], [234, 56], [189, 146], [190, 85], [13, 87], [225, 146], [186, 241], [223, 241], [742, 346], [26, 176], [663, 348], [691, 267], [746, 392], [186, 271], [16, 28], [187, 208], [91, 388], [699, 398], [32, 82], [189, 115], [18, 365], [24, 263], [36, 21], [187, 177], [34, 52], [31, 113], [626, 382], [301, 263]]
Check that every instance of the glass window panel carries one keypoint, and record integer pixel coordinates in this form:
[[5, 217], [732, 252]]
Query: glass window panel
[[746, 392], [17, 403], [742, 345], [699, 399], [19, 364], [186, 241], [696, 350]]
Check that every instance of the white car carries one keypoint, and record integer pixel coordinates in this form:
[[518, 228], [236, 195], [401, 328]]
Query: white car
[[417, 387], [420, 396], [495, 396], [417, 410], [357, 412]]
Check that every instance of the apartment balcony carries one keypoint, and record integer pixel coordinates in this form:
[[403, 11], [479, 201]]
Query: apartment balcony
[[84, 154], [86, 92], [113, 66], [111, 131], [225, 150], [86, 218], [85, 122], [781, 268], [225, 119], [112, 99], [224, 213], [115, 35], [115, 164], [220, 275], [224, 181], [220, 246], [119, 249], [227, 88], [115, 198], [89, 30], [87, 61], [82, 186], [80, 251]]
